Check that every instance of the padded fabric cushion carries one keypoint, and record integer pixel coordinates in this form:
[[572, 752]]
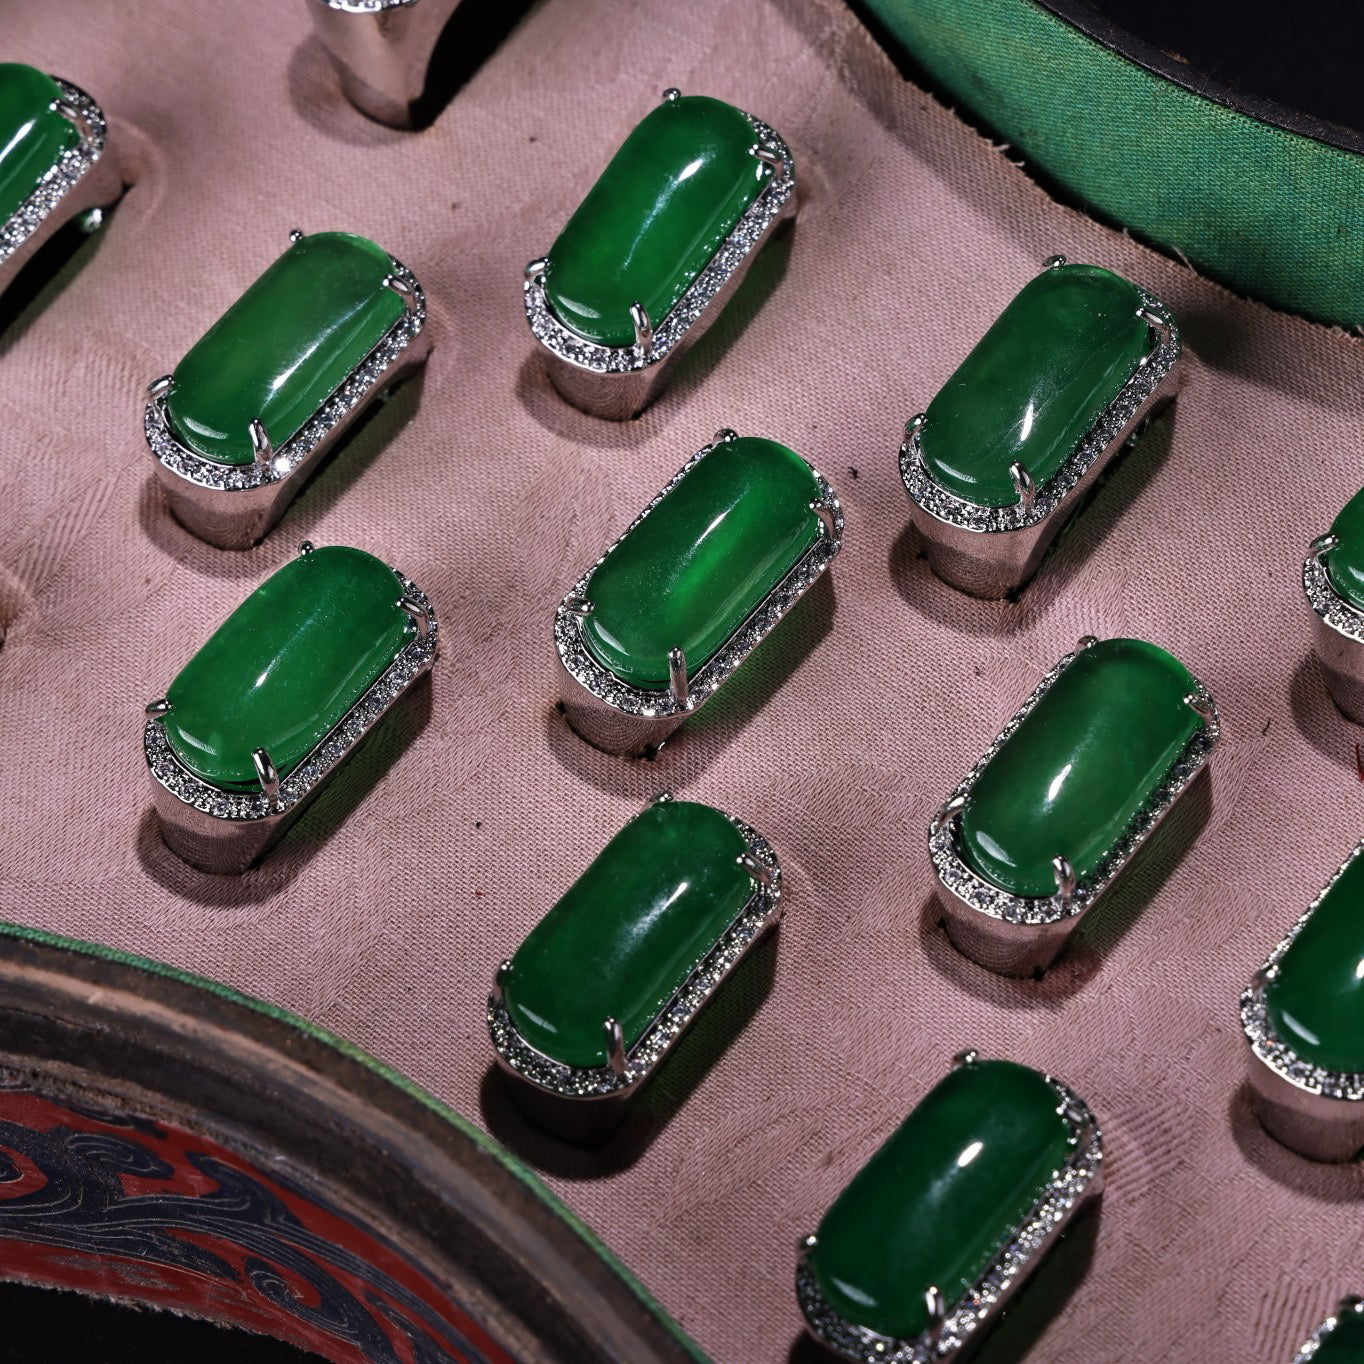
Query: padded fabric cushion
[[386, 909]]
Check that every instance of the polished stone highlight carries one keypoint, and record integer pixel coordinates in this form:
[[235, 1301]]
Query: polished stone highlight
[[1315, 998], [1035, 383], [285, 667], [941, 1197], [669, 197], [697, 566], [1070, 779], [628, 932], [283, 348], [32, 136]]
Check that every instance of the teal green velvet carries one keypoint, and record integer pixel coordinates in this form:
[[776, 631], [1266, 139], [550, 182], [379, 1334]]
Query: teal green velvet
[[1272, 214]]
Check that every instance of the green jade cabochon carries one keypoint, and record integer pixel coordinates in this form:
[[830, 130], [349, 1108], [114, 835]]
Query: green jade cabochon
[[1345, 1344], [286, 666], [1345, 561], [671, 194], [1075, 772], [32, 136], [628, 932], [940, 1198], [697, 566], [1035, 383], [283, 347], [1315, 1000]]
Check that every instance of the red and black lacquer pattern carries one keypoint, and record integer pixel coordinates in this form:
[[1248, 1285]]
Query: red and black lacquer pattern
[[119, 1206]]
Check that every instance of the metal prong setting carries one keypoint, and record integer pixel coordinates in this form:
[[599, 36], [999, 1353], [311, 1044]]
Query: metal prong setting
[[417, 612], [536, 268], [1323, 544], [915, 424], [296, 234], [158, 388], [761, 874], [1023, 486], [677, 676], [403, 290], [826, 519], [724, 435], [969, 1057], [1158, 324], [660, 797], [671, 95], [158, 707], [1085, 642], [578, 606], [615, 1047], [806, 1244], [500, 977], [1201, 706], [306, 547], [949, 810], [936, 1308], [768, 157], [266, 775], [1053, 262], [644, 329], [1065, 880], [261, 448], [73, 116]]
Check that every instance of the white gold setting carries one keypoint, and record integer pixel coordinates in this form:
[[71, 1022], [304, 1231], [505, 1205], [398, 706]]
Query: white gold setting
[[619, 718], [1072, 1186], [992, 552], [1314, 1343], [759, 914], [1337, 632], [1312, 1110], [1018, 935], [619, 381], [225, 831], [234, 505], [382, 50], [82, 177]]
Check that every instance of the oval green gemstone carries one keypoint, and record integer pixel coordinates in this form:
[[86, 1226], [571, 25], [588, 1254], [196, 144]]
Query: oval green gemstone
[[941, 1197], [32, 136], [286, 666], [629, 931], [1074, 774], [1345, 561], [1345, 1343], [696, 567], [281, 350], [648, 227], [1035, 383], [1315, 1000]]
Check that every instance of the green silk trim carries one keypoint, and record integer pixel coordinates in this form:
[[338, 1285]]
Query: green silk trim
[[1272, 214]]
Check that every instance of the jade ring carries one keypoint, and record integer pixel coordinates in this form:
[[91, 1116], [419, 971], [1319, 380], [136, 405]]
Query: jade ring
[[243, 420], [656, 249], [55, 162], [1009, 448]]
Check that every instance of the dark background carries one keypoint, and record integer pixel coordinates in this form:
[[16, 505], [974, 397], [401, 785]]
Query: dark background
[[1305, 55]]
